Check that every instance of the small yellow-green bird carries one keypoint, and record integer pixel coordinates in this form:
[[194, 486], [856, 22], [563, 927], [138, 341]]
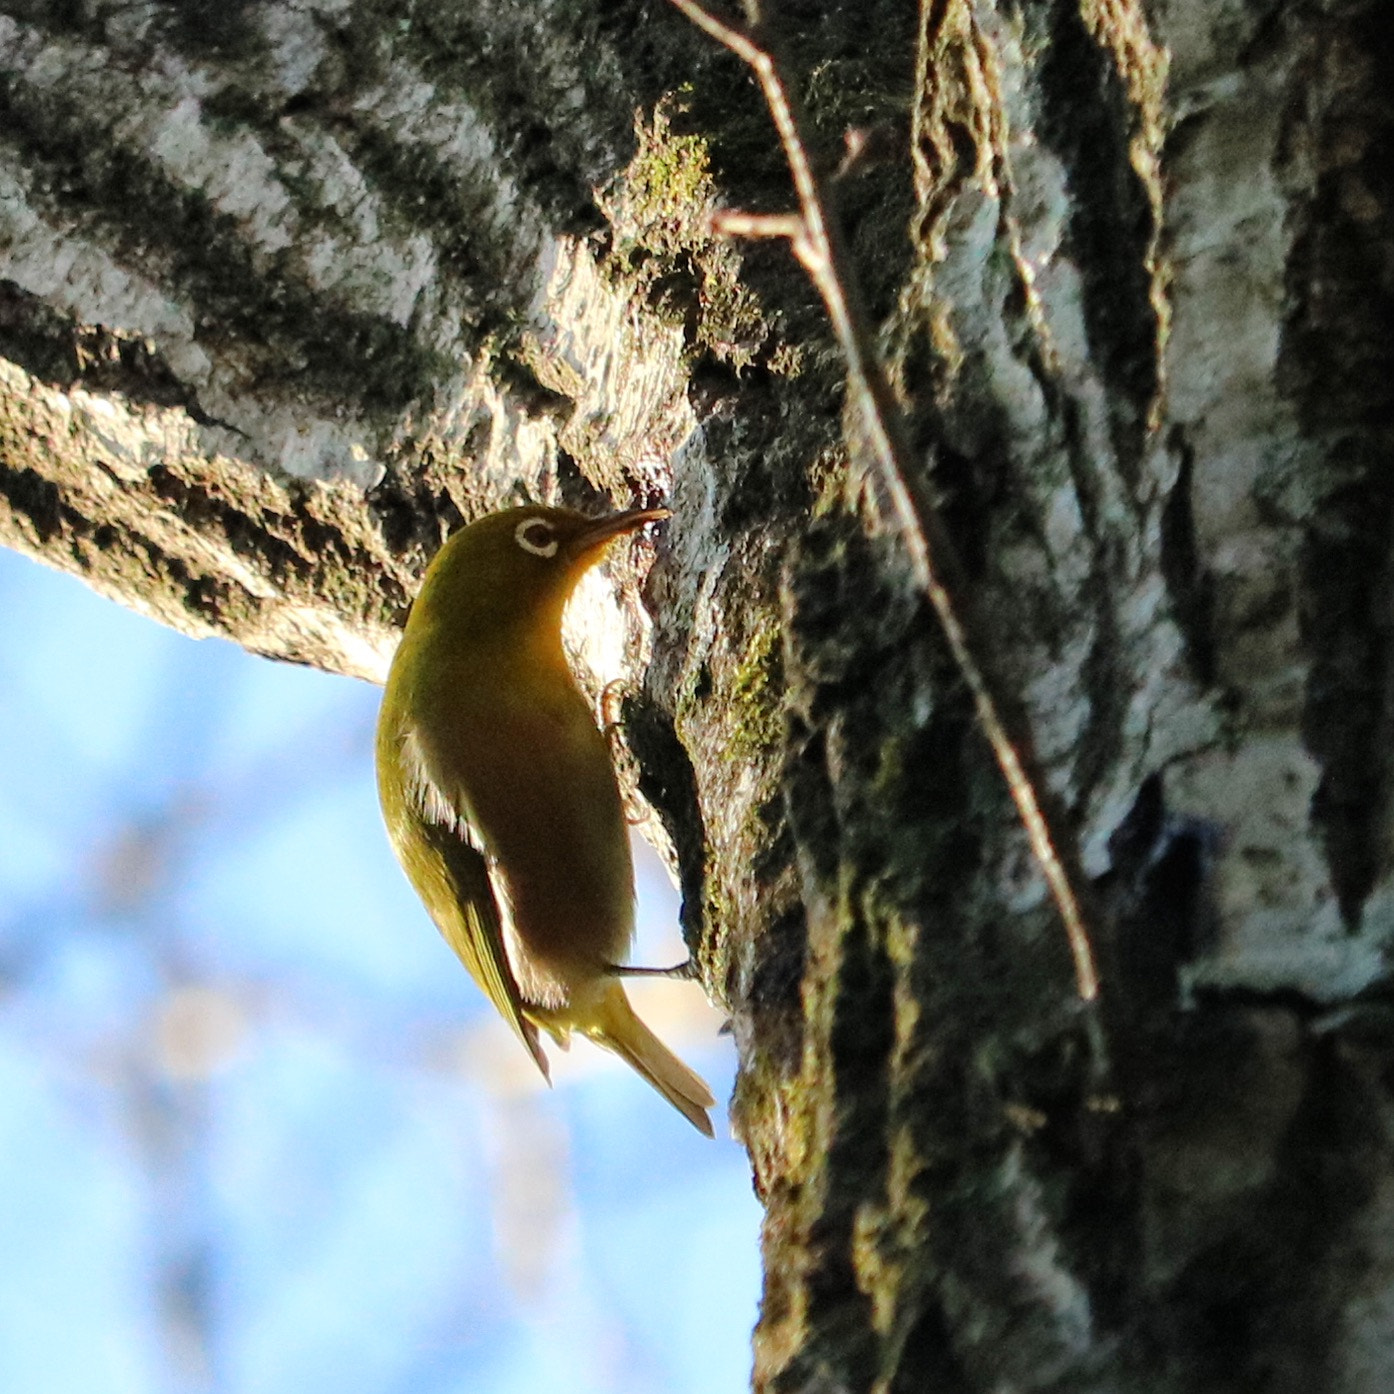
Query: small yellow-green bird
[[499, 794]]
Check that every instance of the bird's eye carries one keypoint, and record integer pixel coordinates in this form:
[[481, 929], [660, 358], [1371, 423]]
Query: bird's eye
[[536, 537]]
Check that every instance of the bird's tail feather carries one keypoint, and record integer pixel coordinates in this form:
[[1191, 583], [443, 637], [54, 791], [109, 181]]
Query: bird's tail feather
[[617, 1028]]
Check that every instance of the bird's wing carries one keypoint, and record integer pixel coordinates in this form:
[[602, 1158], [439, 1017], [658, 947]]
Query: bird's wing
[[477, 934]]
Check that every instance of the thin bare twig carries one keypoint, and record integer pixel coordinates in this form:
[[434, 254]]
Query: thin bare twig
[[815, 238]]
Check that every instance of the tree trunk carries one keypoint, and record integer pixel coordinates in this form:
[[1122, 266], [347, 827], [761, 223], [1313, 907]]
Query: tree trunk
[[290, 290]]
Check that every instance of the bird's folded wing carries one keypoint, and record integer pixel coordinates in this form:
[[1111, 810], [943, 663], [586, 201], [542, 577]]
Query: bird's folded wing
[[477, 934]]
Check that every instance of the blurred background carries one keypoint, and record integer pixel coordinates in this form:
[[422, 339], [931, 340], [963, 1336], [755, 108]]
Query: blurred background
[[259, 1132]]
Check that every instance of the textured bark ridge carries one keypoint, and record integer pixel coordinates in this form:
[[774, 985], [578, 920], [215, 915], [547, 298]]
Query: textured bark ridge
[[289, 291]]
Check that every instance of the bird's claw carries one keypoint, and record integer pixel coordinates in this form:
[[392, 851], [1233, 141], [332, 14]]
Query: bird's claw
[[686, 970]]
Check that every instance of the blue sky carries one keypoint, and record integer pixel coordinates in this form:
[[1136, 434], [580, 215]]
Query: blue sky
[[259, 1133]]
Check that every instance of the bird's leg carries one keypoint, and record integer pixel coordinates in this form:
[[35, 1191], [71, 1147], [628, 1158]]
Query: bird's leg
[[686, 970], [607, 711], [608, 708]]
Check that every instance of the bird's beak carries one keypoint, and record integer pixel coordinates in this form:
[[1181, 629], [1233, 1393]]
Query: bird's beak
[[591, 540]]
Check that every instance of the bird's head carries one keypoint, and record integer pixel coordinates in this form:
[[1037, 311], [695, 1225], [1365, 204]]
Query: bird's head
[[560, 541], [523, 563]]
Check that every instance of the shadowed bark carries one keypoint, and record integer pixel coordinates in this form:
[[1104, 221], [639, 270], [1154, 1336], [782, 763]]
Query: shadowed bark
[[288, 291]]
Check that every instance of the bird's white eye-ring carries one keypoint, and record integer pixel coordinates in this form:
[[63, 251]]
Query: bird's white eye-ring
[[535, 536]]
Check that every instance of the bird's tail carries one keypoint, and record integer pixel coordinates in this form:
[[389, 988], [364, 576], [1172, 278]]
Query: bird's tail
[[615, 1026]]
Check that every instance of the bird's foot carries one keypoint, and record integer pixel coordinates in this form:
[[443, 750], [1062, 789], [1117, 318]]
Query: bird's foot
[[610, 708], [687, 969]]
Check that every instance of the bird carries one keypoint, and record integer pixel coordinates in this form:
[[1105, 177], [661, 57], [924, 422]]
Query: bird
[[499, 794]]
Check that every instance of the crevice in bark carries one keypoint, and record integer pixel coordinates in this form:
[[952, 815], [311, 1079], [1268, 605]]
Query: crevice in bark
[[1158, 886], [219, 29], [926, 1357], [810, 805], [1190, 583], [1338, 363], [34, 498], [856, 1035], [774, 995], [415, 511], [1348, 723], [1102, 672], [667, 782], [1086, 119]]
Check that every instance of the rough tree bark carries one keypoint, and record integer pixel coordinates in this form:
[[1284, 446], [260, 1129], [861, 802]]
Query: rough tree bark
[[288, 290]]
